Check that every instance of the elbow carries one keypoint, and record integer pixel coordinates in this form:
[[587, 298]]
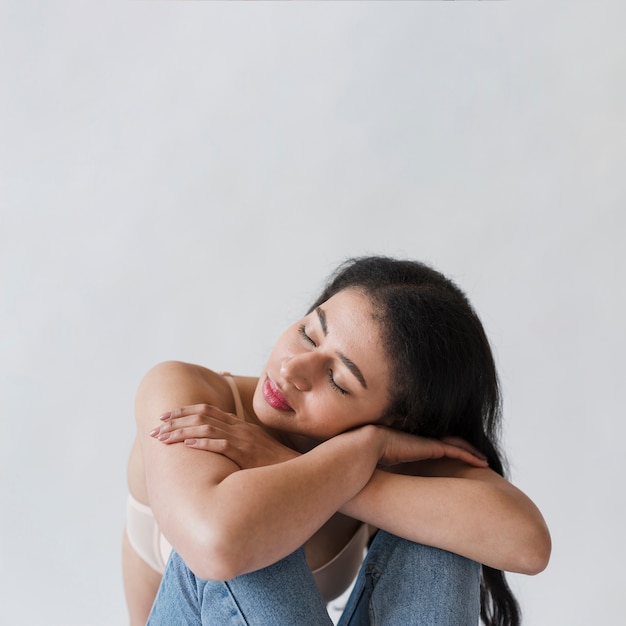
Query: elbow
[[535, 557], [210, 568], [540, 557], [216, 555]]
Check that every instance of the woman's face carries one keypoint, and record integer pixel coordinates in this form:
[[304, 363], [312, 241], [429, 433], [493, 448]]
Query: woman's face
[[327, 373]]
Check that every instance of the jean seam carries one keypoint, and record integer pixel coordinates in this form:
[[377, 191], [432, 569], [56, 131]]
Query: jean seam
[[244, 621]]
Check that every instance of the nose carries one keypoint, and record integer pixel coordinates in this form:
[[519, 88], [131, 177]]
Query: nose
[[299, 370]]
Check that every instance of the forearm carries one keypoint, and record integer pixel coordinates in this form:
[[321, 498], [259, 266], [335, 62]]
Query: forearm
[[489, 521], [255, 517], [224, 520]]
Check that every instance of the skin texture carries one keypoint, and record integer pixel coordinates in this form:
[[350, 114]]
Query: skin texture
[[306, 466]]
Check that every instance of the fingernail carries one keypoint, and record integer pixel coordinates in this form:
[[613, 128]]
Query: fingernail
[[166, 416], [154, 432], [191, 442], [163, 437]]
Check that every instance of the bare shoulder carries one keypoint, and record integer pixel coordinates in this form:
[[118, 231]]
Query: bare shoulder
[[166, 386], [173, 384]]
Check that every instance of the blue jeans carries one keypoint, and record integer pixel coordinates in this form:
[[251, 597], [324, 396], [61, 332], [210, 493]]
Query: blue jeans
[[400, 583]]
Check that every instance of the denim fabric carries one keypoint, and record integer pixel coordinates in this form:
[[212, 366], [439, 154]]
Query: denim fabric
[[400, 583]]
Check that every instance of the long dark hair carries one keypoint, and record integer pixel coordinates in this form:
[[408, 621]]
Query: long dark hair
[[445, 379]]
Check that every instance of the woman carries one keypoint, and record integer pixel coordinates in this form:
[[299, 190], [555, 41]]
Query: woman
[[374, 419]]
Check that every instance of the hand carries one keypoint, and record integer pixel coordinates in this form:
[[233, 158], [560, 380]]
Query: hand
[[399, 447], [206, 427]]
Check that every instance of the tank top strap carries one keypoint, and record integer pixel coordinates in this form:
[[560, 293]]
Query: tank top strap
[[236, 395]]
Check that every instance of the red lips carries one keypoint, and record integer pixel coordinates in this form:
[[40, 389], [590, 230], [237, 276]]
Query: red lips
[[273, 396]]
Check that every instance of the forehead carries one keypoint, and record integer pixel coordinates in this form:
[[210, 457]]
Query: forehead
[[353, 329], [350, 312]]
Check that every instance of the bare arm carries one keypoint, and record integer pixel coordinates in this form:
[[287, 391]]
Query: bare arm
[[467, 510], [224, 521], [443, 502]]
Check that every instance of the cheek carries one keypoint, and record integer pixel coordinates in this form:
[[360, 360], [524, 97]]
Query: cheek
[[331, 411], [256, 398]]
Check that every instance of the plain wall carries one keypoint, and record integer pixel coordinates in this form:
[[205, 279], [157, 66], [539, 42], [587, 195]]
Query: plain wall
[[177, 179]]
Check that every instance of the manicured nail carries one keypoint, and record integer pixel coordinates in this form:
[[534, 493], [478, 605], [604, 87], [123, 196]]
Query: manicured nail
[[154, 432], [163, 437], [166, 416], [191, 442]]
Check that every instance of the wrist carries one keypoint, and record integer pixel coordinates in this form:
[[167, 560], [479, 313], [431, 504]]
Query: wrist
[[368, 440]]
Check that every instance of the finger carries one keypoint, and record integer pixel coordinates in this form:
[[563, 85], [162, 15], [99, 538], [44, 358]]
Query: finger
[[464, 455], [219, 446], [197, 409], [194, 419], [462, 443], [200, 431], [190, 409]]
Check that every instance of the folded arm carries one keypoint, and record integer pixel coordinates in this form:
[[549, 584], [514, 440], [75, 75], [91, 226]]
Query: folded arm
[[225, 521], [467, 510]]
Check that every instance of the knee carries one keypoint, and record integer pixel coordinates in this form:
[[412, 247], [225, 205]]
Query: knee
[[440, 586], [416, 559]]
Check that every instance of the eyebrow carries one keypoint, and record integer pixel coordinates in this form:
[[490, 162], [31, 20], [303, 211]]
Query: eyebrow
[[322, 318], [351, 365]]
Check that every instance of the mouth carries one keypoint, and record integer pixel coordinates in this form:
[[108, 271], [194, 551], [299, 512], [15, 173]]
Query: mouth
[[273, 396]]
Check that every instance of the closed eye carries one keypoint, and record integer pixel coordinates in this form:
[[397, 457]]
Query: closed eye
[[334, 385], [303, 334]]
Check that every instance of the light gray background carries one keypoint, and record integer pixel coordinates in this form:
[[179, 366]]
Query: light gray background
[[178, 178]]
